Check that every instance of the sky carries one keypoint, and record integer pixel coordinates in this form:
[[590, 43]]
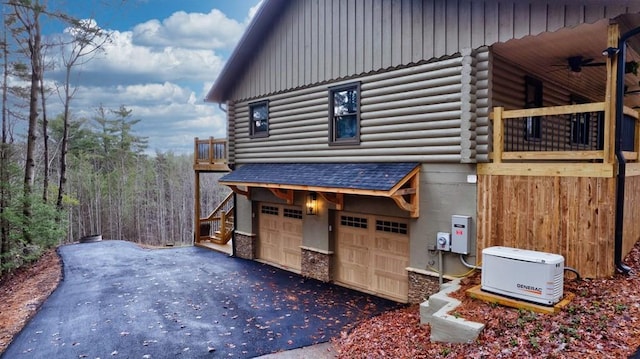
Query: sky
[[162, 60]]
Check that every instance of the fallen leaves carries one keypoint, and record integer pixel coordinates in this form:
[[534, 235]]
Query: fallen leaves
[[601, 322]]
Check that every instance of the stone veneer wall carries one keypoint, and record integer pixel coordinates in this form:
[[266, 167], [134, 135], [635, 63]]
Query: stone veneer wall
[[245, 245], [421, 286], [316, 265]]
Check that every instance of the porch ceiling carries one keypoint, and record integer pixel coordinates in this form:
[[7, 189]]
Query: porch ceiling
[[545, 56]]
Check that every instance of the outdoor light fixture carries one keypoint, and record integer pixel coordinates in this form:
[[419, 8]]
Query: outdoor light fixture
[[312, 204], [610, 51]]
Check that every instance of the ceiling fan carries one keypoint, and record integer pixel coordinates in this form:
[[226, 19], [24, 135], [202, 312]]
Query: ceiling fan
[[576, 63]]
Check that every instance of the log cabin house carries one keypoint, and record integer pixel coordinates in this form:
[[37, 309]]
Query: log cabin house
[[358, 129]]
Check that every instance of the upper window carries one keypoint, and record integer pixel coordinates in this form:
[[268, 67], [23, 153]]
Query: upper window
[[344, 114], [259, 119], [533, 99]]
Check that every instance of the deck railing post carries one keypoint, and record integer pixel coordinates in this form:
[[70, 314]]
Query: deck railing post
[[211, 160], [195, 152], [498, 134], [223, 225]]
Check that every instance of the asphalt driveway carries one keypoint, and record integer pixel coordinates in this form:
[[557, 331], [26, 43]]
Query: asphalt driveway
[[118, 300]]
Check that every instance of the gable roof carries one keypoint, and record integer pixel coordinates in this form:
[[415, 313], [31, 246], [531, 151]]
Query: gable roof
[[263, 20]]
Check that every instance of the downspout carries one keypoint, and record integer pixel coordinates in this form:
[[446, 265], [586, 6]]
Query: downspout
[[622, 163]]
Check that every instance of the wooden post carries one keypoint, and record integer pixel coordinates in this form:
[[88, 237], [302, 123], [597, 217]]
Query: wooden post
[[498, 132], [211, 160], [610, 96], [195, 152], [196, 217], [223, 225]]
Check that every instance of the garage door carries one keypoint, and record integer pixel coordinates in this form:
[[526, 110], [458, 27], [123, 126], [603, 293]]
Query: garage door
[[372, 254], [280, 235]]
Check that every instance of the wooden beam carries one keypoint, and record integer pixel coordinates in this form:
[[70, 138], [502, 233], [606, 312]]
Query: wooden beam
[[285, 194], [559, 169], [196, 217], [336, 198], [553, 110], [613, 35], [239, 191], [498, 134], [553, 155]]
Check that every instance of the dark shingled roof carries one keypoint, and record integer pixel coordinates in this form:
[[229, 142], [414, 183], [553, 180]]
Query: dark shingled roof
[[365, 176]]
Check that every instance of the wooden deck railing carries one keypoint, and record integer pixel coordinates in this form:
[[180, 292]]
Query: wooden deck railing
[[561, 133], [218, 225], [210, 151]]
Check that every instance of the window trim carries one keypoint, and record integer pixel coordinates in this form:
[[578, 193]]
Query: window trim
[[333, 141], [532, 99], [252, 131], [580, 123]]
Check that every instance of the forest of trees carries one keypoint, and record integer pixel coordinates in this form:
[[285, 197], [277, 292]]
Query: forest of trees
[[62, 177]]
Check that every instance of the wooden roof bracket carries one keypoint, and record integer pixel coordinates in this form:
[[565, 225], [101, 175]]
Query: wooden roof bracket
[[406, 193], [336, 198], [236, 189], [285, 194]]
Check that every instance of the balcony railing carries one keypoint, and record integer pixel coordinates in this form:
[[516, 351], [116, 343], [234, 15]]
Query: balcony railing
[[560, 133], [210, 154]]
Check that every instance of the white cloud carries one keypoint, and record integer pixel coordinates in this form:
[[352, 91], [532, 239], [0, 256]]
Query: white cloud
[[253, 10], [161, 70], [191, 30]]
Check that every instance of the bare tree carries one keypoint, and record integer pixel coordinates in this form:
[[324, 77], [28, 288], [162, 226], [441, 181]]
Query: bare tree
[[86, 39]]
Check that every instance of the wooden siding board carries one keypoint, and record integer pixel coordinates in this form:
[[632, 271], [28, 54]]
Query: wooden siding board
[[428, 31], [343, 35], [631, 221], [407, 31], [360, 37], [452, 24], [440, 27], [521, 21], [477, 24], [353, 42], [555, 16], [386, 33], [416, 31], [465, 24], [550, 214], [538, 18], [368, 33], [491, 23], [309, 41], [574, 14], [335, 39], [396, 32], [506, 21]]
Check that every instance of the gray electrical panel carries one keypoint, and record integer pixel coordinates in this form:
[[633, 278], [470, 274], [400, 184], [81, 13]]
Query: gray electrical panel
[[460, 234]]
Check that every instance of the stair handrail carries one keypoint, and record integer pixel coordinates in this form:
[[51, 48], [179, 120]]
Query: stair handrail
[[219, 208]]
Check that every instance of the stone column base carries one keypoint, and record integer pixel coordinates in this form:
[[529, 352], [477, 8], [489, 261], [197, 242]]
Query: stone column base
[[246, 245], [315, 264], [421, 286]]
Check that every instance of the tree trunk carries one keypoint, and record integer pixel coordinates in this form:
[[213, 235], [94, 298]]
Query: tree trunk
[[29, 168]]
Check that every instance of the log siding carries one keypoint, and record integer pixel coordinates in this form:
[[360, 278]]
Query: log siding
[[423, 113]]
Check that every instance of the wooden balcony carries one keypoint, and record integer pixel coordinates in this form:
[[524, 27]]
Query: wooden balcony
[[572, 140], [210, 155]]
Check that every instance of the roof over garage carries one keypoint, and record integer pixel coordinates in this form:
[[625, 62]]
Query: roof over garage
[[398, 181]]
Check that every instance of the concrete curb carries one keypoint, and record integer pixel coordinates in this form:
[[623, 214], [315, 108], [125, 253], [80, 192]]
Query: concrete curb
[[446, 327]]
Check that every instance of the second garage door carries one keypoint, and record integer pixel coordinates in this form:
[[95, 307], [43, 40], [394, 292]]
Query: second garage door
[[280, 235], [372, 254]]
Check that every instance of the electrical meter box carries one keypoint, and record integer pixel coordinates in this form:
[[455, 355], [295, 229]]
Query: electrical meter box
[[460, 234]]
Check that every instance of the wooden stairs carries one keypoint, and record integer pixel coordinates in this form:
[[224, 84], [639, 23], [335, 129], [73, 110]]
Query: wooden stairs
[[218, 227]]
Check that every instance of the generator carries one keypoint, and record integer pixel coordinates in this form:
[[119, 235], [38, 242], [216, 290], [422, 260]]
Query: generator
[[533, 276]]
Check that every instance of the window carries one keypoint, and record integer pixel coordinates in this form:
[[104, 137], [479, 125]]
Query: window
[[533, 99], [259, 119], [580, 123], [344, 114]]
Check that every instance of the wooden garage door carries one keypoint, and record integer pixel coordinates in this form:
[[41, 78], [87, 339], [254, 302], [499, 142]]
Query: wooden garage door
[[280, 235], [372, 254]]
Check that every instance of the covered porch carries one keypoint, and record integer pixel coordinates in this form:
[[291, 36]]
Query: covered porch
[[552, 181]]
